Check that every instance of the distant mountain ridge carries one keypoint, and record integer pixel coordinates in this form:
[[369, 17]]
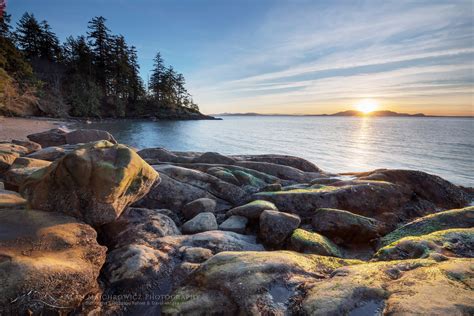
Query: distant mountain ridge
[[348, 113]]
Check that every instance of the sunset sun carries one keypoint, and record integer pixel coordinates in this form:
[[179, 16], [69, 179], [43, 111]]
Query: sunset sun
[[367, 105]]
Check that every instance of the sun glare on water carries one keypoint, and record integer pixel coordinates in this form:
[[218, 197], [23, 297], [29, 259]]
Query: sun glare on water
[[367, 105]]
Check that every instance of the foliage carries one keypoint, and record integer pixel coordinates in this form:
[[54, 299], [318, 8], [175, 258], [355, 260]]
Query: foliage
[[92, 75]]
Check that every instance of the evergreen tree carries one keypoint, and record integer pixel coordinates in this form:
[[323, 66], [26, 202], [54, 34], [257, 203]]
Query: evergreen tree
[[156, 85], [99, 40], [49, 48], [29, 36]]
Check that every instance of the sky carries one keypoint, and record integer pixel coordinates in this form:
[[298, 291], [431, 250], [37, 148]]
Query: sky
[[294, 57]]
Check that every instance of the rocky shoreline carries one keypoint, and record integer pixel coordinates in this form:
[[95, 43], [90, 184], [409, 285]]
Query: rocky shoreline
[[89, 226]]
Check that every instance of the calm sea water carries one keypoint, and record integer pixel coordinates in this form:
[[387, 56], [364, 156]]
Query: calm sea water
[[442, 146]]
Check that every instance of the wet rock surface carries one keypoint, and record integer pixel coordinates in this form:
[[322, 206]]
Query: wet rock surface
[[217, 234]]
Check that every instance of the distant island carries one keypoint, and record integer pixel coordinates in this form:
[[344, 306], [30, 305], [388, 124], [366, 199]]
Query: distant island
[[348, 113]]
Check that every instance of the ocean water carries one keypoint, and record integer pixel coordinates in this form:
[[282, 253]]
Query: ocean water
[[441, 146]]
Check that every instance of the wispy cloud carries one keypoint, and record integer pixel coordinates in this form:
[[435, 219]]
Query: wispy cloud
[[312, 58]]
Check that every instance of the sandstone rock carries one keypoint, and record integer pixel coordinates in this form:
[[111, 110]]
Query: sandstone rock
[[49, 262], [10, 199], [250, 283], [200, 223], [6, 160], [271, 187], [49, 153], [276, 226], [29, 145], [196, 254], [291, 161], [367, 199], [162, 155], [95, 183], [429, 187], [252, 210], [173, 194], [404, 287], [88, 135], [21, 169], [53, 137], [457, 242], [345, 227], [136, 225], [235, 223], [214, 158], [309, 242], [198, 206], [13, 148], [279, 171], [458, 218]]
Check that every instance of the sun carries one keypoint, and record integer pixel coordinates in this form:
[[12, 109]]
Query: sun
[[367, 105]]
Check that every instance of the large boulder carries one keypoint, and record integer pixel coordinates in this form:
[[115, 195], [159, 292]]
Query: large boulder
[[29, 145], [11, 199], [49, 263], [53, 137], [423, 287], [310, 242], [95, 183], [253, 209], [345, 227], [88, 135], [458, 218], [6, 160], [458, 242], [200, 223], [429, 187], [15, 148], [197, 206], [49, 153], [21, 169], [276, 226], [235, 223], [136, 225], [250, 283]]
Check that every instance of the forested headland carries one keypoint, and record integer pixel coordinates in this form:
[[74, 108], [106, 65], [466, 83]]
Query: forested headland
[[94, 75]]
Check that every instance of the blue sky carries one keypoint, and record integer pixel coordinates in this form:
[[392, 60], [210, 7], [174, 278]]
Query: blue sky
[[294, 56]]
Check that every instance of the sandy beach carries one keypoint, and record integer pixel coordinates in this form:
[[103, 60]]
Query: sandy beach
[[19, 128]]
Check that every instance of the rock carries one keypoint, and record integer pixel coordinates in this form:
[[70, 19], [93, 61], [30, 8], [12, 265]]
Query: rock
[[88, 135], [420, 286], [29, 145], [53, 137], [309, 242], [13, 148], [271, 187], [276, 226], [48, 153], [383, 201], [49, 262], [291, 161], [252, 210], [214, 186], [173, 215], [279, 171], [196, 254], [94, 183], [21, 169], [198, 206], [250, 283], [458, 242], [429, 187], [458, 218], [235, 223], [135, 268], [214, 158], [137, 225], [162, 155], [200, 223], [174, 194], [224, 174], [6, 160], [345, 227], [10, 199]]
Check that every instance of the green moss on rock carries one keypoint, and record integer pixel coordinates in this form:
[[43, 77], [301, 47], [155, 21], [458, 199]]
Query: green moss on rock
[[309, 242]]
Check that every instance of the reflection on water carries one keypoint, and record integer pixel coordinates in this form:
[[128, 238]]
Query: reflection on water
[[443, 146]]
